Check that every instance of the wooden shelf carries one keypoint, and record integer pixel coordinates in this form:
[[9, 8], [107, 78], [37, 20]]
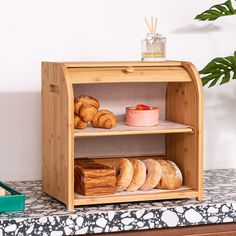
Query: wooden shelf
[[155, 194], [165, 127]]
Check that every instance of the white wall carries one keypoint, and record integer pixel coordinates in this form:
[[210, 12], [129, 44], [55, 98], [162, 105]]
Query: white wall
[[76, 30]]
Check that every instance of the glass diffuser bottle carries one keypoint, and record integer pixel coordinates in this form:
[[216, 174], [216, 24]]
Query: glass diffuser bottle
[[154, 45]]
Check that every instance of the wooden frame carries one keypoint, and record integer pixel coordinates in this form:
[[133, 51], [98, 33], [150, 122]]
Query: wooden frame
[[226, 229], [184, 134]]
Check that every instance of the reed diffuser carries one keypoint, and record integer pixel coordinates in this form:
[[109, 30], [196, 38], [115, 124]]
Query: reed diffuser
[[154, 45]]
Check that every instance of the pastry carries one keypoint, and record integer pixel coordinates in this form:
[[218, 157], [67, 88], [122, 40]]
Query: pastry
[[139, 176], [104, 119], [78, 123], [94, 179], [86, 107], [153, 174], [124, 173], [171, 177]]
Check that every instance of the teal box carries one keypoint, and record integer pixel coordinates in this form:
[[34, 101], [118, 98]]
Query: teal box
[[15, 201]]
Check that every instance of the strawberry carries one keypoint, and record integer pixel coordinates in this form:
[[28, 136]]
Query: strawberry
[[142, 107]]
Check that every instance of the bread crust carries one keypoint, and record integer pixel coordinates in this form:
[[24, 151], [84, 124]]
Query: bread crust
[[124, 173], [139, 175], [85, 107], [78, 123], [104, 119], [171, 175], [153, 174]]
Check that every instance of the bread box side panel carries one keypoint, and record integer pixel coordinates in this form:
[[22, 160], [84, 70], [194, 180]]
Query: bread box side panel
[[57, 169], [184, 104]]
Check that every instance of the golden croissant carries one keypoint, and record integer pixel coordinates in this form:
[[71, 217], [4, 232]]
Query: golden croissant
[[78, 123], [85, 107], [104, 119]]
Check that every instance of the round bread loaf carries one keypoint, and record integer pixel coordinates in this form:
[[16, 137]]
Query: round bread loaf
[[171, 177]]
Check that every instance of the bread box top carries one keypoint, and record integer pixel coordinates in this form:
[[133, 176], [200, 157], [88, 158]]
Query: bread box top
[[126, 71]]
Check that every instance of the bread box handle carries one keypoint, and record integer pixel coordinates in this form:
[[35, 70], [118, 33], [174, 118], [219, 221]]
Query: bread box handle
[[129, 69], [54, 88]]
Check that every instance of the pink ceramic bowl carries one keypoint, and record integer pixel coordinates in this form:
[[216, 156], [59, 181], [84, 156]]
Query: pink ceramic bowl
[[135, 117]]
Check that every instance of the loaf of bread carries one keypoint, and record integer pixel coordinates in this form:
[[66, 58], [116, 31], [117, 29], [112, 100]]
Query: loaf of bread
[[104, 119], [171, 177], [94, 179]]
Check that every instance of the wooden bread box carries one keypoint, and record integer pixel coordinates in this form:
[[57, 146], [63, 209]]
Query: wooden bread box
[[174, 86]]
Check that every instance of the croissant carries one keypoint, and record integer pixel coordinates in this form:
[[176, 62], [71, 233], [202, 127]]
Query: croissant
[[78, 123], [86, 107], [104, 119]]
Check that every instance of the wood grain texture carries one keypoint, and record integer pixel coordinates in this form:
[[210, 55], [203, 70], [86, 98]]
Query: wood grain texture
[[181, 148], [164, 127], [97, 64], [184, 104], [200, 123], [115, 198], [57, 162], [228, 229], [120, 75]]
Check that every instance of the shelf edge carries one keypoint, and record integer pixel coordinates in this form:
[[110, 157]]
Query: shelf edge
[[138, 132], [178, 194]]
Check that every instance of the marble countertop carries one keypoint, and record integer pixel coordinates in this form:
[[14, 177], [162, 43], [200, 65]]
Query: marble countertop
[[44, 215]]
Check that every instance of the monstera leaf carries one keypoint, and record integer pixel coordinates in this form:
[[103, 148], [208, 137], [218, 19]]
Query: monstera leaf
[[216, 11], [219, 69]]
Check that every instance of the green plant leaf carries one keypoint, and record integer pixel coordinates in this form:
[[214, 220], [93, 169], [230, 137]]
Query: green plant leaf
[[220, 68], [225, 78], [216, 11], [213, 83]]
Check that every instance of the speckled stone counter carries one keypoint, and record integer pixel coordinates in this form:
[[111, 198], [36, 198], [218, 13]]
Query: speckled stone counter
[[46, 216]]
